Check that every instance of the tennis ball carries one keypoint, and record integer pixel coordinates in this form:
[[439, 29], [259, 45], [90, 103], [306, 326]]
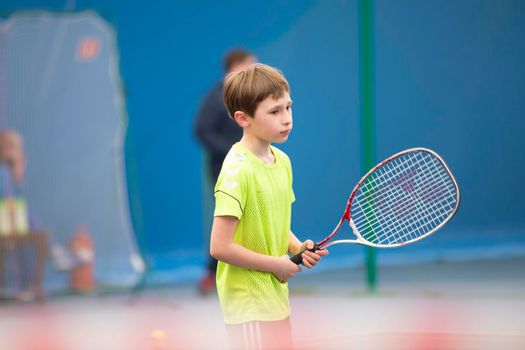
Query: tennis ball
[[157, 334]]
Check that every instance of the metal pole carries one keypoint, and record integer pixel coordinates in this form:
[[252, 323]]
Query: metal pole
[[366, 88]]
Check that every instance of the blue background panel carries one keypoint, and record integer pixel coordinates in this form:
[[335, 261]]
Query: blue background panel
[[449, 75]]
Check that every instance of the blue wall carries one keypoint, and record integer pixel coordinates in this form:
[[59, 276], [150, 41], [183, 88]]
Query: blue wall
[[449, 76]]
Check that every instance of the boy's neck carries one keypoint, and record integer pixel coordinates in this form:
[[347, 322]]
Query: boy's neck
[[261, 149]]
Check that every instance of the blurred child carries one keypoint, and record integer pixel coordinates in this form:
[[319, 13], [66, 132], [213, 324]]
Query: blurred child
[[29, 248]]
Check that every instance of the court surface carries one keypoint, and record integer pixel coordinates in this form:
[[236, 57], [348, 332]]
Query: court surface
[[467, 305]]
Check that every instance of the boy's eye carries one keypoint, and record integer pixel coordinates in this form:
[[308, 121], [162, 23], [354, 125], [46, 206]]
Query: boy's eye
[[288, 108], [274, 112]]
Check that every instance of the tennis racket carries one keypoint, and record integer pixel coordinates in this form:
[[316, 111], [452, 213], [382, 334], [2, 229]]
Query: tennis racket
[[402, 200]]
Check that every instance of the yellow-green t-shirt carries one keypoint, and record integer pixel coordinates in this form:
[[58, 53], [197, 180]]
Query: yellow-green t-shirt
[[260, 196]]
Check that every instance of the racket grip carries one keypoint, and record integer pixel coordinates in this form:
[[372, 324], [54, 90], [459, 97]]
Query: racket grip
[[298, 259]]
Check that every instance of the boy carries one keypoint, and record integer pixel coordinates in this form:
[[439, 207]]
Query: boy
[[251, 234]]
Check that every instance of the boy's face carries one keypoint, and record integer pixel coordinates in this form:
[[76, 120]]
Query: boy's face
[[272, 120]]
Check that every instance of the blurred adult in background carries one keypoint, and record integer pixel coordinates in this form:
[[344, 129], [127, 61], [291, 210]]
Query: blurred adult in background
[[217, 132]]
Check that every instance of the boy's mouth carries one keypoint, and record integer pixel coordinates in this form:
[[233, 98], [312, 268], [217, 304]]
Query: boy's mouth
[[286, 132]]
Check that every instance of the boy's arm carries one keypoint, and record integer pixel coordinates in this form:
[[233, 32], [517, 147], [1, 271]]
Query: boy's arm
[[295, 246], [223, 247]]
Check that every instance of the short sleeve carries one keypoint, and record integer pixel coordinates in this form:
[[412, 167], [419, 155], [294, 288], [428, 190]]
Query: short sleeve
[[227, 205], [230, 190]]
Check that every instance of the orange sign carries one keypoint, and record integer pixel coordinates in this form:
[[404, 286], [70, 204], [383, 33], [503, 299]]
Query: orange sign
[[88, 49]]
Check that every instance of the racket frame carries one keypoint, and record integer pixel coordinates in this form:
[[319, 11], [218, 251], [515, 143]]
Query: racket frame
[[348, 216]]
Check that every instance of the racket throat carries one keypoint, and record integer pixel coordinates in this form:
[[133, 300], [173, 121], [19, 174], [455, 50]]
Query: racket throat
[[347, 214]]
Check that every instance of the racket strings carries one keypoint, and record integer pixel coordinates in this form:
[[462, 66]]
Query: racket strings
[[408, 202], [425, 219], [405, 230], [369, 191], [404, 199], [396, 229], [401, 229], [385, 204]]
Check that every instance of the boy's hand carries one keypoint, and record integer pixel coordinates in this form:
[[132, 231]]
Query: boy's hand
[[285, 269], [311, 258]]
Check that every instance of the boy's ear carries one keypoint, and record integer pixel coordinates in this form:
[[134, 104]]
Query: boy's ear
[[242, 119]]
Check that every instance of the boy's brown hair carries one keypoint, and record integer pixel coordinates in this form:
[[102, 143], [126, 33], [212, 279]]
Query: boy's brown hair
[[245, 89]]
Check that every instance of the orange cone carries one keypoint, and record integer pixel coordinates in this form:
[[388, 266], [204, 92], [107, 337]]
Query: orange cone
[[81, 276]]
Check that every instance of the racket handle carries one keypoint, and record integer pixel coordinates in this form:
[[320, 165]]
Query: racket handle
[[298, 259]]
